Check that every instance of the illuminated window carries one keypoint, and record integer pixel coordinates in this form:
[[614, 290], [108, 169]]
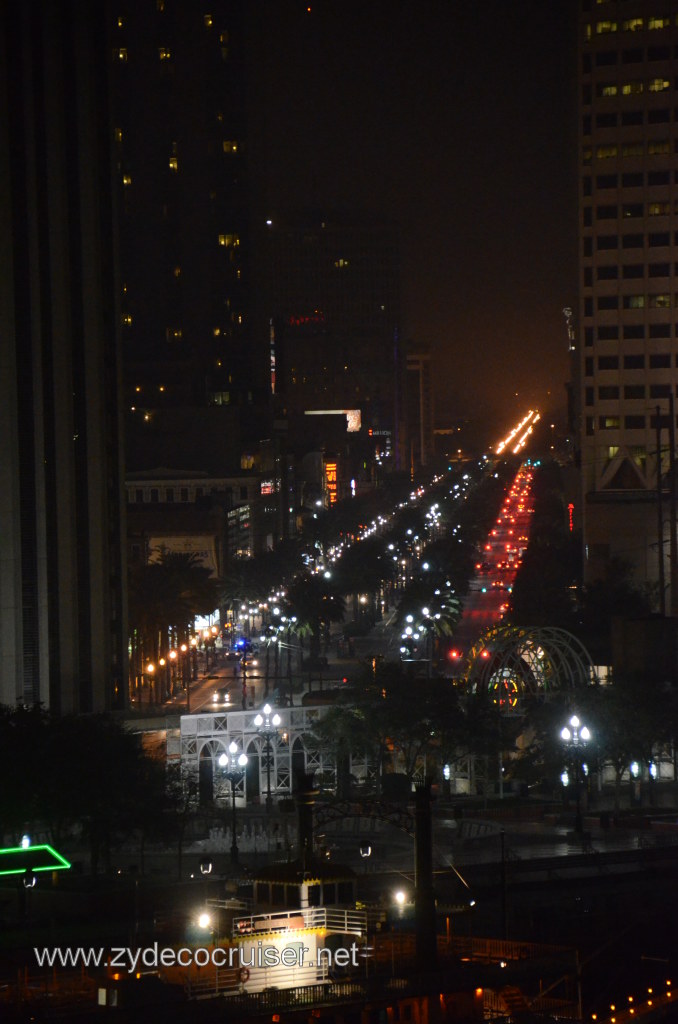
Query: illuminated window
[[341, 263], [603, 27], [229, 146], [658, 147], [653, 23], [634, 302], [632, 149], [173, 164], [207, 18], [118, 134], [632, 88], [658, 209], [127, 319], [606, 152], [229, 241], [177, 271], [216, 331], [122, 54], [120, 22], [633, 25], [160, 5], [608, 422], [607, 89], [223, 37], [127, 179], [164, 54], [173, 333], [658, 84], [220, 398]]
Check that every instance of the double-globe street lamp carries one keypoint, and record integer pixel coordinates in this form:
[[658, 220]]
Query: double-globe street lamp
[[267, 726], [576, 736], [234, 765]]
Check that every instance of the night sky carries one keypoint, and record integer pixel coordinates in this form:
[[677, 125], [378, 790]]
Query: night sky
[[458, 121]]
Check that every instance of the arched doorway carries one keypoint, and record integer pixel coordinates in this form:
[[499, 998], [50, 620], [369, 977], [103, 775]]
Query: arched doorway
[[252, 773], [205, 776]]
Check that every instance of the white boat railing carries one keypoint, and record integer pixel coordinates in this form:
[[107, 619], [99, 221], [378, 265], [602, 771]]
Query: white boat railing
[[330, 919]]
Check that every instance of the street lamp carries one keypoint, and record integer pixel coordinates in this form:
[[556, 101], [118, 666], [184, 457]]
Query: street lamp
[[235, 765], [576, 736], [267, 726]]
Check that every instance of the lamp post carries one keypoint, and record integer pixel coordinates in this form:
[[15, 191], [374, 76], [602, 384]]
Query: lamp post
[[267, 726], [150, 672], [576, 736], [234, 764]]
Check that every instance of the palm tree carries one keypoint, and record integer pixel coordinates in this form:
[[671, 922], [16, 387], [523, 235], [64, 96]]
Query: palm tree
[[165, 596], [363, 569], [316, 603]]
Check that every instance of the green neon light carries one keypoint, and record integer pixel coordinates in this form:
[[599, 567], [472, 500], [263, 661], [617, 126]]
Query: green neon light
[[24, 857]]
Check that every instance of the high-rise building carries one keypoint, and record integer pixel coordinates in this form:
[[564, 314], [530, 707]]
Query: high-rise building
[[333, 302], [180, 128], [62, 613], [419, 412], [627, 336]]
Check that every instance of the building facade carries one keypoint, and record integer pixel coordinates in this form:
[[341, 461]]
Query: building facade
[[62, 607], [179, 99], [331, 292], [628, 341]]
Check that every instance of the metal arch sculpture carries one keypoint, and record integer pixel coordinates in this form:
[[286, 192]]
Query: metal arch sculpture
[[515, 663], [399, 817]]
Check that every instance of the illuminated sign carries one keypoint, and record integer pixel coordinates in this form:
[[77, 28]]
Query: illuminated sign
[[570, 513], [17, 860], [353, 417], [331, 481], [269, 486], [308, 320]]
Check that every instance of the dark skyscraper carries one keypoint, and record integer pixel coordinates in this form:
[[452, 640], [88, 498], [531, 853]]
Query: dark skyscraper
[[180, 130], [62, 616], [333, 299]]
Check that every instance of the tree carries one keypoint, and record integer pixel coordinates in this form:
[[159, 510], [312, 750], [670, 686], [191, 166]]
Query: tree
[[165, 596], [316, 602]]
